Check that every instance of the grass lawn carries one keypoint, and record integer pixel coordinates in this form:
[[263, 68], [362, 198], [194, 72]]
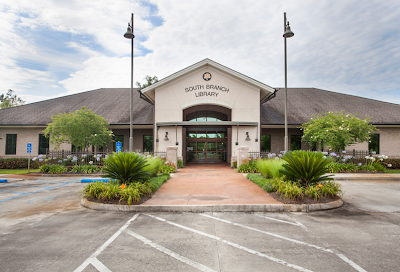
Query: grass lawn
[[17, 171], [392, 171]]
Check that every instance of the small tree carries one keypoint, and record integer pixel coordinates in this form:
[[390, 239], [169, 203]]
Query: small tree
[[9, 100], [337, 130], [81, 128], [150, 80]]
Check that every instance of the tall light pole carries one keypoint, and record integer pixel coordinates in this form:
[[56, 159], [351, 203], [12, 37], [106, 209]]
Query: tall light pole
[[287, 34], [129, 35]]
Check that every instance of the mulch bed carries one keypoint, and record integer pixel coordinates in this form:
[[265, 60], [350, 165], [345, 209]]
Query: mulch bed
[[305, 200], [123, 202]]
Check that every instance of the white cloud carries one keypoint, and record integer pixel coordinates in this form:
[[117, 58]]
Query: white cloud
[[340, 46]]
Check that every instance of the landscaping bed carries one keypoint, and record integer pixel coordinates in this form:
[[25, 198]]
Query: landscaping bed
[[304, 200]]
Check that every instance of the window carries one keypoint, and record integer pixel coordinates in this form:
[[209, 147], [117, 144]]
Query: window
[[11, 144], [148, 143], [43, 144], [118, 138], [266, 143], [374, 143], [295, 142], [206, 116]]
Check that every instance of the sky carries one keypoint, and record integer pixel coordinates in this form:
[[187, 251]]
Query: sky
[[55, 48]]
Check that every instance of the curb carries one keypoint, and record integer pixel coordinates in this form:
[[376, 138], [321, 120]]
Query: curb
[[371, 177], [213, 208]]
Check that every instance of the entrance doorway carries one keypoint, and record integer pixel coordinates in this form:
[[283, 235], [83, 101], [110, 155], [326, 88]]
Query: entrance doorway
[[206, 145]]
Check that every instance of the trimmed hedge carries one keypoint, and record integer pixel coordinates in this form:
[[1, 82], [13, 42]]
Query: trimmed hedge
[[17, 163]]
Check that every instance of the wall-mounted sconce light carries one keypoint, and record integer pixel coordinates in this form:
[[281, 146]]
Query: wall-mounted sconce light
[[257, 135], [237, 135], [176, 135], [247, 137], [166, 136]]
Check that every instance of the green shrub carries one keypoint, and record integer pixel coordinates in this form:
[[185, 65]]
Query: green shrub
[[378, 167], [57, 169], [335, 167], [331, 188], [167, 169], [156, 182], [250, 167], [266, 184], [19, 163], [153, 165], [131, 193], [85, 168], [44, 168], [234, 164], [181, 164], [269, 168], [306, 167], [288, 189], [126, 167], [367, 167]]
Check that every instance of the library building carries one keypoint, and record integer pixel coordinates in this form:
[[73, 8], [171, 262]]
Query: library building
[[207, 111]]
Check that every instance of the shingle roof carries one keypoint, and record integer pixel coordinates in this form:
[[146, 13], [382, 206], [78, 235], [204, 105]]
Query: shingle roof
[[304, 103], [112, 104]]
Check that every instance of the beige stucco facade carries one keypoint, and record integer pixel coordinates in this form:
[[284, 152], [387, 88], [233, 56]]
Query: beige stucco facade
[[191, 90]]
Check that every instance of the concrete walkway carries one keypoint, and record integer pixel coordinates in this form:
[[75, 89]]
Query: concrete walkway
[[209, 184]]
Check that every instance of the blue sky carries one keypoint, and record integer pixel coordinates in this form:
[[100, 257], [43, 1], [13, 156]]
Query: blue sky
[[55, 48]]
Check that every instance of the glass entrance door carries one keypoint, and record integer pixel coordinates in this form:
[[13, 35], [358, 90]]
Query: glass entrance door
[[206, 146]]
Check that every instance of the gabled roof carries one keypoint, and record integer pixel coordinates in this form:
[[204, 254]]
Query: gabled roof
[[304, 103], [264, 89], [112, 104]]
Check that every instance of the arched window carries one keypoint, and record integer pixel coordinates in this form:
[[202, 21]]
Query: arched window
[[206, 113], [206, 116]]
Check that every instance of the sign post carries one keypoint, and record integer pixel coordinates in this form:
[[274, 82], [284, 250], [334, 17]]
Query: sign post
[[29, 151], [118, 146]]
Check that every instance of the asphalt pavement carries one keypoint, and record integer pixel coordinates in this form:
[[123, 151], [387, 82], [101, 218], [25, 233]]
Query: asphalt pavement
[[43, 228]]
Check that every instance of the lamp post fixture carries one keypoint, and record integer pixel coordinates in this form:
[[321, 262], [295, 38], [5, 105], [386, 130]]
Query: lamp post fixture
[[129, 35], [287, 34]]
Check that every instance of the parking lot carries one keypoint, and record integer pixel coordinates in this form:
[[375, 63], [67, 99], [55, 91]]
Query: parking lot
[[43, 228]]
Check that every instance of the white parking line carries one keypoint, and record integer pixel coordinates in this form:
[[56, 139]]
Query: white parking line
[[282, 221], [269, 233], [170, 253], [341, 256], [299, 268], [99, 265], [104, 246]]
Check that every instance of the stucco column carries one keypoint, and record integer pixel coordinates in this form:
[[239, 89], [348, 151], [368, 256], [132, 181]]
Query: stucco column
[[172, 155], [243, 154]]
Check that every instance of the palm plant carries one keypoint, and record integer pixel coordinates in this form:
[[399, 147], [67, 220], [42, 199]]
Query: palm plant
[[306, 167], [126, 167]]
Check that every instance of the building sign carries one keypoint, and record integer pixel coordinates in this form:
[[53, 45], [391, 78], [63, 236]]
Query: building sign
[[209, 90]]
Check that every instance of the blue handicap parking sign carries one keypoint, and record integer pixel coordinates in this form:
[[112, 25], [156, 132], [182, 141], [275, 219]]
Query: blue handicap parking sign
[[29, 148], [118, 146]]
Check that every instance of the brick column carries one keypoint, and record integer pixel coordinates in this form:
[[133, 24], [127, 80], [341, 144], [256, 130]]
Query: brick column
[[243, 154], [172, 155]]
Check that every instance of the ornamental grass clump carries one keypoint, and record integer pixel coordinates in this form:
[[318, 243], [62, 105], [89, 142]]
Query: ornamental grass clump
[[306, 167], [269, 168], [153, 165], [126, 167]]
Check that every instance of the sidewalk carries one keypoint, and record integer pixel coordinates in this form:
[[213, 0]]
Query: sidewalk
[[209, 184]]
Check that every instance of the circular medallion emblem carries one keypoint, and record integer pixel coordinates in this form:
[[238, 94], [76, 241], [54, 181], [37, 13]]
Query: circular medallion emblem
[[207, 76]]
